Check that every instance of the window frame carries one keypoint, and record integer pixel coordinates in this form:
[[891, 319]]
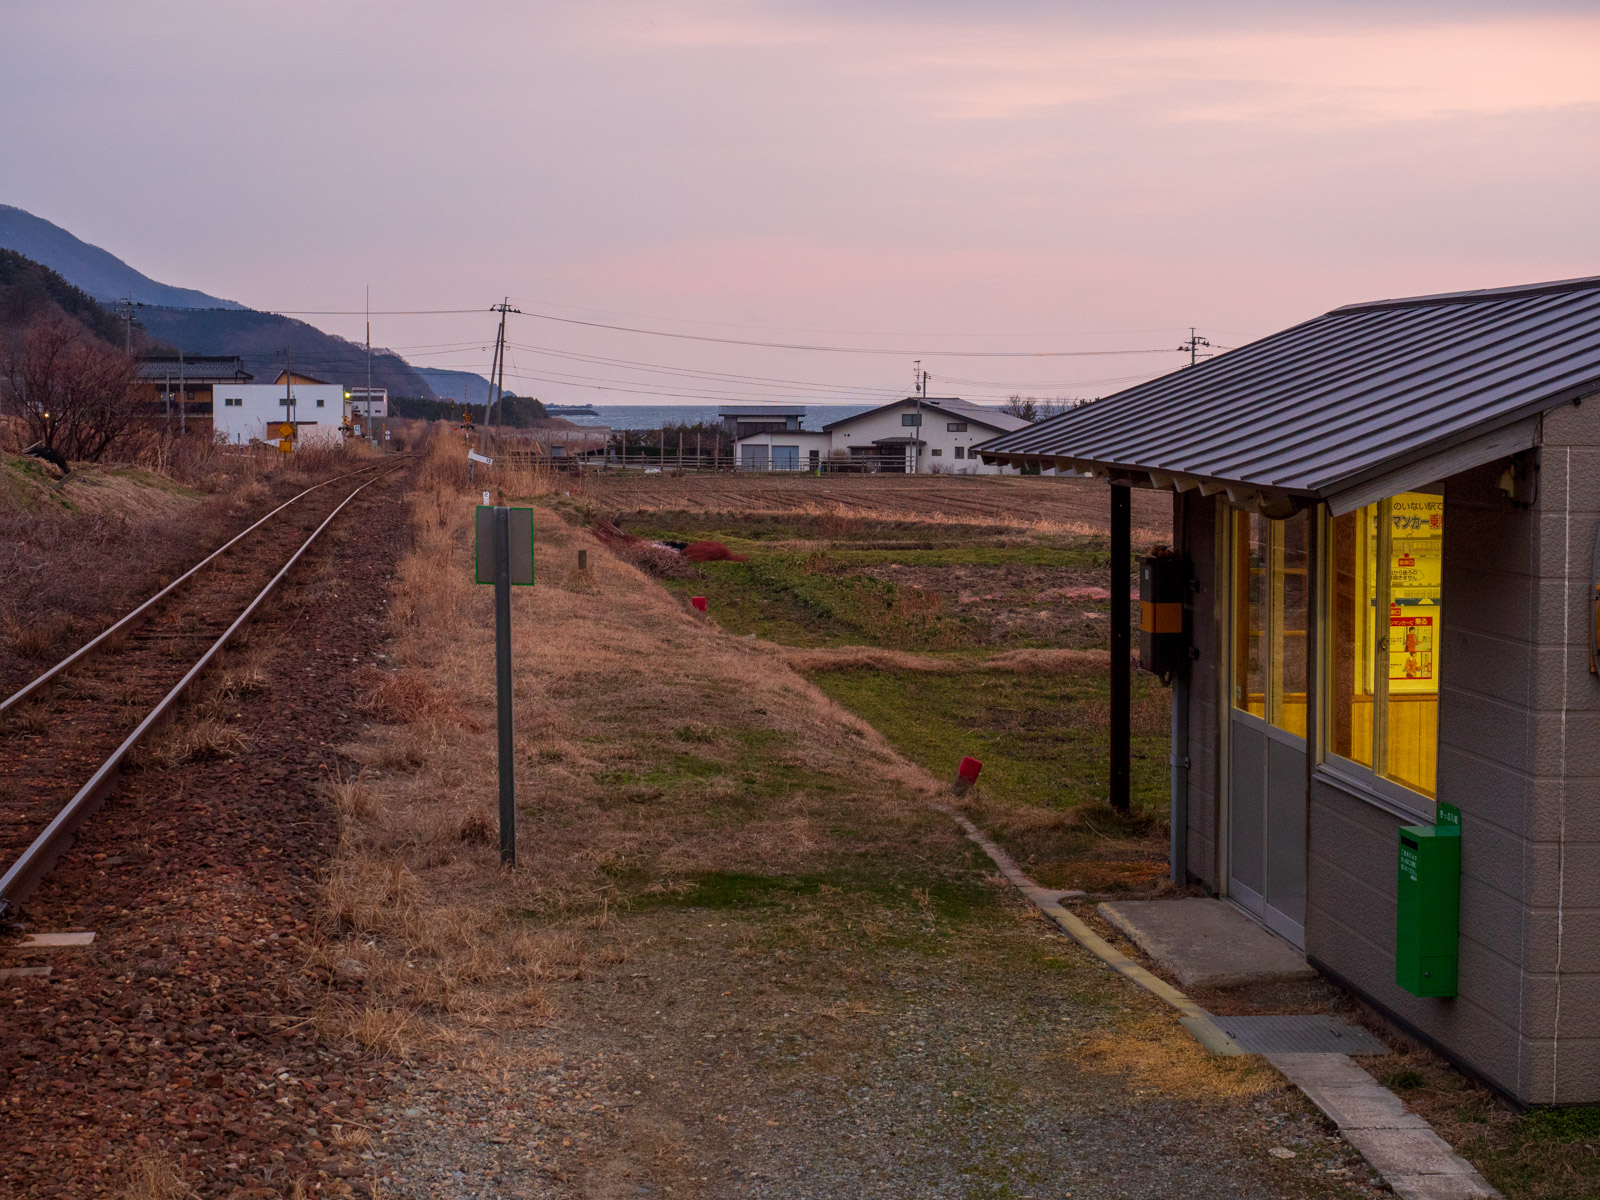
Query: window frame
[[910, 420], [955, 427], [1367, 783]]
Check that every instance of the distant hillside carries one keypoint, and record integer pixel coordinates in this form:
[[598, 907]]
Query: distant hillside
[[100, 273], [260, 338], [456, 385], [30, 291]]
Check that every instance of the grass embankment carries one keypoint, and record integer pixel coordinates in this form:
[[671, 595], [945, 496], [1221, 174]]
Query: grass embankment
[[954, 612], [742, 954]]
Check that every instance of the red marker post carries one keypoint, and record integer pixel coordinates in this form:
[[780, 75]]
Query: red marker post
[[967, 775], [699, 603]]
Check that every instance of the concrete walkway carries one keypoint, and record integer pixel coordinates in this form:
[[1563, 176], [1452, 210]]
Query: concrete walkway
[[1206, 943], [1413, 1160]]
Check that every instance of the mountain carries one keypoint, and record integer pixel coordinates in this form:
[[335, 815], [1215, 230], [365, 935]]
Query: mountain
[[200, 324], [99, 272], [30, 291], [456, 385], [260, 338]]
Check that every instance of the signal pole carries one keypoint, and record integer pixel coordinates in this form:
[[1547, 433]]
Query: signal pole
[[371, 433]]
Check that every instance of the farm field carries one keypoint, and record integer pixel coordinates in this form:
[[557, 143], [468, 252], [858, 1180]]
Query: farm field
[[1004, 503], [973, 624]]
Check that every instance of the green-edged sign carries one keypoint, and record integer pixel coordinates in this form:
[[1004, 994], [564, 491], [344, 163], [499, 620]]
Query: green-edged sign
[[521, 531]]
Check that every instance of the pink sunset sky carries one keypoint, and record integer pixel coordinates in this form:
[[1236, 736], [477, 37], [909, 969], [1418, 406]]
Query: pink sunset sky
[[913, 177]]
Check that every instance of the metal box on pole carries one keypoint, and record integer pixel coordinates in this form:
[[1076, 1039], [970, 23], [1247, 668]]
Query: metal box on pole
[[1163, 634], [1428, 906]]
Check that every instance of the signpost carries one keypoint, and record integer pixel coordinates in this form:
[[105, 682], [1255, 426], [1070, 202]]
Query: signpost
[[473, 458], [503, 556], [286, 437]]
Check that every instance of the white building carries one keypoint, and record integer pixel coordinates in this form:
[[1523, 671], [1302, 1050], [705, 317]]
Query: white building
[[252, 412], [361, 404], [927, 435]]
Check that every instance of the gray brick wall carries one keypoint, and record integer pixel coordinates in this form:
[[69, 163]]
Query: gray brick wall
[[1519, 752]]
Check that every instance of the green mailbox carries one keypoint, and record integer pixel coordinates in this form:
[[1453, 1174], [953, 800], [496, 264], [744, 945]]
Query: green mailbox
[[1428, 908]]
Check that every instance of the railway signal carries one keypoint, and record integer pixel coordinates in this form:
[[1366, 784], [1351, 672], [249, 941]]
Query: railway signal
[[507, 536]]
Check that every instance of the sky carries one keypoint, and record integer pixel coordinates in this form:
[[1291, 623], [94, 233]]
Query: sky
[[1012, 191]]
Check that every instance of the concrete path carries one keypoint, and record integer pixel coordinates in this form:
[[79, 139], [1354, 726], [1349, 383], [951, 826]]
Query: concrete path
[[1205, 943], [1414, 1160]]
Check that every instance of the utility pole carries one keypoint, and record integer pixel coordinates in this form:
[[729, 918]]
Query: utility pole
[[288, 383], [183, 398], [1192, 345], [371, 433], [127, 320], [921, 383], [498, 382]]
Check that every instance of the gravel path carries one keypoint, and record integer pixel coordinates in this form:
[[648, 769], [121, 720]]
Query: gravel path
[[731, 1058]]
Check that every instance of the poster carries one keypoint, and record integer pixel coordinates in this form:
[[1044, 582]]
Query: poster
[[1416, 550]]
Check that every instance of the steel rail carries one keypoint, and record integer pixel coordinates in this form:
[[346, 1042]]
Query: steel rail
[[24, 875], [34, 685]]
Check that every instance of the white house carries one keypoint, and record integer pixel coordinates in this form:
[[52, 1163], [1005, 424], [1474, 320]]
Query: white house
[[252, 412], [925, 435]]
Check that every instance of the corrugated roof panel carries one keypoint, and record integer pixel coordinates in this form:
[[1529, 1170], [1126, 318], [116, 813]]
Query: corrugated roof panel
[[1345, 394]]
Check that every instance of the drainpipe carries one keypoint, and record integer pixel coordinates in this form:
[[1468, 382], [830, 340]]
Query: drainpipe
[[1178, 757]]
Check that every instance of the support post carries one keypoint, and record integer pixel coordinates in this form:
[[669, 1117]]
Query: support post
[[1121, 645], [1178, 851], [502, 672]]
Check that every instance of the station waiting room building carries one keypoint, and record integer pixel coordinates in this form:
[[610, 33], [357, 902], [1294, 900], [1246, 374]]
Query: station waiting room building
[[1387, 523]]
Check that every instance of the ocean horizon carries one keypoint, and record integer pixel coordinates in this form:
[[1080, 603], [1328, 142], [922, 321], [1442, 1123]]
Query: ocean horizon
[[654, 416]]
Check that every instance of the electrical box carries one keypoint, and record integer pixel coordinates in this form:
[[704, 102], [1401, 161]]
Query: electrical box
[[1163, 630], [1428, 906]]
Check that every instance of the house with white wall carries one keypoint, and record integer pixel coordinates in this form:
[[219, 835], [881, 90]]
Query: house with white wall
[[252, 412], [926, 435]]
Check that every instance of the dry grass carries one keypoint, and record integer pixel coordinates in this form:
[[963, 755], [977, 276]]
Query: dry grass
[[1160, 1056], [200, 739], [855, 658], [1036, 506], [449, 944], [155, 1177]]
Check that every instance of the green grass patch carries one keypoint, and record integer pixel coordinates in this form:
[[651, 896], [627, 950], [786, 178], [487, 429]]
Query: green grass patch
[[1042, 738], [1545, 1154]]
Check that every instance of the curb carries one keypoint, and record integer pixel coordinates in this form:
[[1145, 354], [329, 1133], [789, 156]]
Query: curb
[[1400, 1146]]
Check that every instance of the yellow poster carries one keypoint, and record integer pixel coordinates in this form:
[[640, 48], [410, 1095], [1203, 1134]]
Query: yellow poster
[[1416, 556]]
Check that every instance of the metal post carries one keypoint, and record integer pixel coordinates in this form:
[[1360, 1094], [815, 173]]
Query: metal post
[[1121, 645], [1178, 851], [502, 672]]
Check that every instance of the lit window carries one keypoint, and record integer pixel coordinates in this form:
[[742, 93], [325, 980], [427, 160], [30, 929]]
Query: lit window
[[1385, 675], [956, 427], [911, 418], [1269, 613]]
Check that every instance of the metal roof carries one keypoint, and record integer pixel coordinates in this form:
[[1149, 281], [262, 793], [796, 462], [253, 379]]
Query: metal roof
[[1342, 402], [953, 406], [751, 410], [197, 368]]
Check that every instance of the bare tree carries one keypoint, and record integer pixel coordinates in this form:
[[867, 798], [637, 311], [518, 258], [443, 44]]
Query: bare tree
[[1032, 409], [76, 394]]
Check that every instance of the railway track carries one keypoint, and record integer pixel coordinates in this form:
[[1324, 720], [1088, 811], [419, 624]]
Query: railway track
[[65, 735]]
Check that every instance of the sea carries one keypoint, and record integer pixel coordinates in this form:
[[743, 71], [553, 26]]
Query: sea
[[654, 416]]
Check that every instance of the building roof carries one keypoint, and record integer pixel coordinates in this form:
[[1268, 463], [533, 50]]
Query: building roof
[[1390, 394], [954, 406], [751, 410], [302, 377], [197, 368]]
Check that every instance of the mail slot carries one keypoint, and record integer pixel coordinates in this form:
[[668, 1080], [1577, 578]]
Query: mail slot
[[1428, 907], [1163, 632]]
